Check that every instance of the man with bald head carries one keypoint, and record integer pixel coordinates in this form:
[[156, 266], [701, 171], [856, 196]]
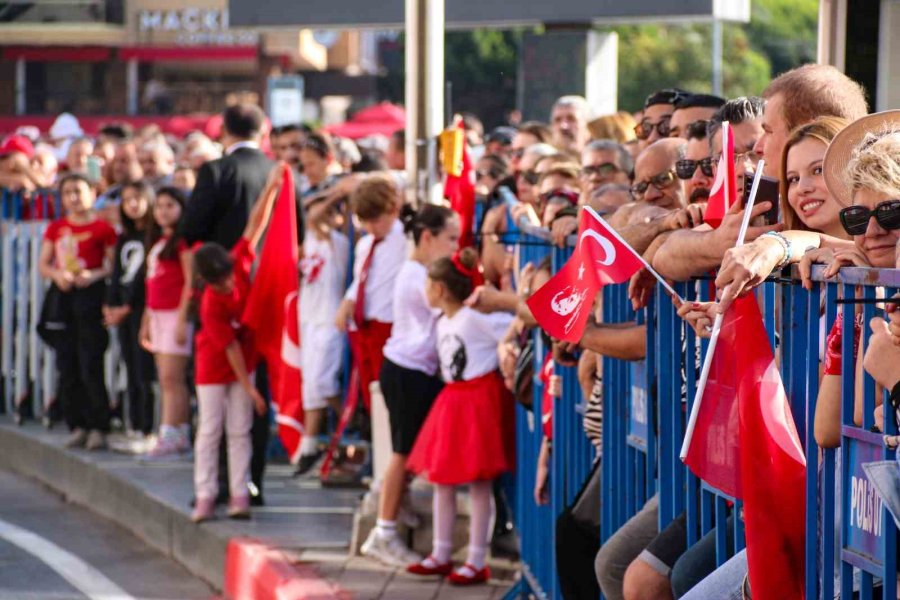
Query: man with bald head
[[655, 181]]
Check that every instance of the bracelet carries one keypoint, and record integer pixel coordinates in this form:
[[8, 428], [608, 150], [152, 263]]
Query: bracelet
[[785, 244]]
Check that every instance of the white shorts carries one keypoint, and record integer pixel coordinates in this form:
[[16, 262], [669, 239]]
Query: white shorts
[[162, 333], [321, 357]]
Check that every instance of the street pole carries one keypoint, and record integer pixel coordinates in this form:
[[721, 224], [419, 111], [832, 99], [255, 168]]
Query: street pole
[[717, 84], [424, 97]]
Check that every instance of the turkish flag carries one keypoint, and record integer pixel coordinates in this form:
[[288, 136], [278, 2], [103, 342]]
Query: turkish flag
[[723, 193], [289, 409], [746, 444], [459, 190], [562, 305], [275, 281]]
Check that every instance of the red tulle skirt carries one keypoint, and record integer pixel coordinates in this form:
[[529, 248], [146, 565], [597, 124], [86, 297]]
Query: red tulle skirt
[[469, 435]]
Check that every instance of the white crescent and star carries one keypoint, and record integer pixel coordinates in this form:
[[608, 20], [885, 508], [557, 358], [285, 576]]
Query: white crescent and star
[[609, 250]]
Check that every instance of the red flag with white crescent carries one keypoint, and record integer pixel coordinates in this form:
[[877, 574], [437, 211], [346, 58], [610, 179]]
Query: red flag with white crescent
[[723, 193], [562, 305], [275, 282]]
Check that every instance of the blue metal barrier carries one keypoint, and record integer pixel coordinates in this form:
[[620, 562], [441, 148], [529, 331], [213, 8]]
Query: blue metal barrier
[[645, 404]]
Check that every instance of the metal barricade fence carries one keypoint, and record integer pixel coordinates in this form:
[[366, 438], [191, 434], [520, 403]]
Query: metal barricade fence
[[645, 404], [26, 365]]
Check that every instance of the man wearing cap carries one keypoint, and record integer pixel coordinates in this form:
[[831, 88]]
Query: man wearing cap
[[691, 108], [657, 115], [16, 172], [499, 142]]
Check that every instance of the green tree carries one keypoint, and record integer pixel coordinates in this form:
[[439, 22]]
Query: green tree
[[657, 56], [785, 31]]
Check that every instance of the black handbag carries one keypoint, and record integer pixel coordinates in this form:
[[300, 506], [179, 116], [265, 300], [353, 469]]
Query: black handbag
[[55, 317]]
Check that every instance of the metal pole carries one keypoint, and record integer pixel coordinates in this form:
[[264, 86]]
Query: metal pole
[[424, 97], [717, 57], [132, 86], [20, 86]]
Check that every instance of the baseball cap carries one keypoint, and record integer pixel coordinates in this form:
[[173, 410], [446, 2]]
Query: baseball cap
[[17, 143]]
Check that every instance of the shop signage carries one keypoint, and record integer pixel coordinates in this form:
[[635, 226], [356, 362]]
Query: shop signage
[[195, 26]]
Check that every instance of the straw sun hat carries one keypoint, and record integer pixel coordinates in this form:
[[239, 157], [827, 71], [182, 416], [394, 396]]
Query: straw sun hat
[[842, 147]]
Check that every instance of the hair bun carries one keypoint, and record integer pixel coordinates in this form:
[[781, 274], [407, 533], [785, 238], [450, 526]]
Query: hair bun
[[468, 257]]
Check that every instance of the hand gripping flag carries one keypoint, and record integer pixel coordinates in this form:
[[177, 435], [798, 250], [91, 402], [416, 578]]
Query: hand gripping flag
[[745, 444], [275, 281], [724, 189], [562, 305], [459, 185]]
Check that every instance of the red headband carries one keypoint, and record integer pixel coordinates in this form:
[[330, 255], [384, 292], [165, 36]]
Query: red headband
[[473, 274]]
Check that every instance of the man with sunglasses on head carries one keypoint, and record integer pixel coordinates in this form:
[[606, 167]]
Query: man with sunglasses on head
[[698, 250], [657, 116], [691, 108]]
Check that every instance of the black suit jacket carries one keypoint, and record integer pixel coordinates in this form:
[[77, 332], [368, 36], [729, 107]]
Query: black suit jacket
[[226, 190]]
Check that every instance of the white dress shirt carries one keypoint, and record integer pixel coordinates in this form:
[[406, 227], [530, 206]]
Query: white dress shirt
[[389, 257]]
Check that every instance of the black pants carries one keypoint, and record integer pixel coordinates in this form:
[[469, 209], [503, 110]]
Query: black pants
[[576, 548], [139, 369], [79, 361]]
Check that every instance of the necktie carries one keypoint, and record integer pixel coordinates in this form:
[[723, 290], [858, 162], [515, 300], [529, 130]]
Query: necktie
[[360, 308]]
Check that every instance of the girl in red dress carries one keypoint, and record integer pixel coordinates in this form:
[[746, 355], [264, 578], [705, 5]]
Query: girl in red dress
[[468, 435]]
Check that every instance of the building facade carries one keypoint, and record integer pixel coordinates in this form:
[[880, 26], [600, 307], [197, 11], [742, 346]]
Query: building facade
[[161, 57]]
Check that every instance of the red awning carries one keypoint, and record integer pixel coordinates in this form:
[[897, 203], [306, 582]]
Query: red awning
[[57, 53], [179, 125], [208, 53], [380, 119]]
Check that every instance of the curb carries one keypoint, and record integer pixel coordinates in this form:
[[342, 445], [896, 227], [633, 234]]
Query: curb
[[254, 570]]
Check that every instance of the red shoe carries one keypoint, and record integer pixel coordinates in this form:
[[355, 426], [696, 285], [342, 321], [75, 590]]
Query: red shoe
[[430, 566], [469, 575]]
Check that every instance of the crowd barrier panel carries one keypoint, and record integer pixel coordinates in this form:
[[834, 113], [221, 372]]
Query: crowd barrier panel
[[645, 404], [26, 364], [17, 205]]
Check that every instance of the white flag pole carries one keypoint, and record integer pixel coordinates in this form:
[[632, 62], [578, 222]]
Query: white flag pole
[[615, 233], [717, 325]]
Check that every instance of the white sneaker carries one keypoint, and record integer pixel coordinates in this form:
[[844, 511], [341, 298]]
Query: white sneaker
[[390, 551]]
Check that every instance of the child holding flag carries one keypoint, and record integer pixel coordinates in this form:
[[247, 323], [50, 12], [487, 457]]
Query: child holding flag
[[468, 435], [225, 359], [378, 259]]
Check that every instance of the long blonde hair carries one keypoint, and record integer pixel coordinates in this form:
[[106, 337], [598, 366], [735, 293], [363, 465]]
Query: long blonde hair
[[823, 129]]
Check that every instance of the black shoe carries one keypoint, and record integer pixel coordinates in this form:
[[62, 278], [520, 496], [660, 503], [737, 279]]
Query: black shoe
[[307, 462], [505, 544], [256, 497]]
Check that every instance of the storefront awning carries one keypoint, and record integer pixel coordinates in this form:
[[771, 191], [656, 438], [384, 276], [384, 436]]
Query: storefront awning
[[57, 53], [193, 53]]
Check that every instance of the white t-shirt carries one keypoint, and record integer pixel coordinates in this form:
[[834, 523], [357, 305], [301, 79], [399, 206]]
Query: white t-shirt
[[389, 257], [467, 343], [324, 269], [413, 341]]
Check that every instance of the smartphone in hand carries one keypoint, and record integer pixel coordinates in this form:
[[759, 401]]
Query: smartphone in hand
[[767, 192]]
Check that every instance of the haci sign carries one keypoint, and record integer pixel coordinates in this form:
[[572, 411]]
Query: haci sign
[[194, 26]]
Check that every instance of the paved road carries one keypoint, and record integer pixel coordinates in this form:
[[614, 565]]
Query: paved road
[[51, 550]]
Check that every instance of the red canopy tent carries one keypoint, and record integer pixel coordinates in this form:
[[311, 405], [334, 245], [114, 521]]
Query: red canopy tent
[[380, 119]]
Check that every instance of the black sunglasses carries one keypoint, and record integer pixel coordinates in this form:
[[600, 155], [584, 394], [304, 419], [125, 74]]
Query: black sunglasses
[[855, 219], [531, 177], [643, 129], [685, 168], [561, 194], [602, 170], [660, 182], [483, 173]]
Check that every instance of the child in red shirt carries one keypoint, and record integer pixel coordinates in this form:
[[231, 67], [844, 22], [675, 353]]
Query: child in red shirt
[[165, 330], [77, 255], [224, 362]]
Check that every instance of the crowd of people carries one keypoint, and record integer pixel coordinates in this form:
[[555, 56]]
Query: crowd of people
[[445, 330]]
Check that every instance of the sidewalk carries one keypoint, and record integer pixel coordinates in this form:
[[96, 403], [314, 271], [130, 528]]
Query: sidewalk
[[311, 526]]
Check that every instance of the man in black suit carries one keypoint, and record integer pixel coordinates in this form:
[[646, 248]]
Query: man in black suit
[[220, 204]]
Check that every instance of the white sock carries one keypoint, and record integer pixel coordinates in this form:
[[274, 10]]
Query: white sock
[[308, 445], [480, 497], [444, 516], [385, 529]]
